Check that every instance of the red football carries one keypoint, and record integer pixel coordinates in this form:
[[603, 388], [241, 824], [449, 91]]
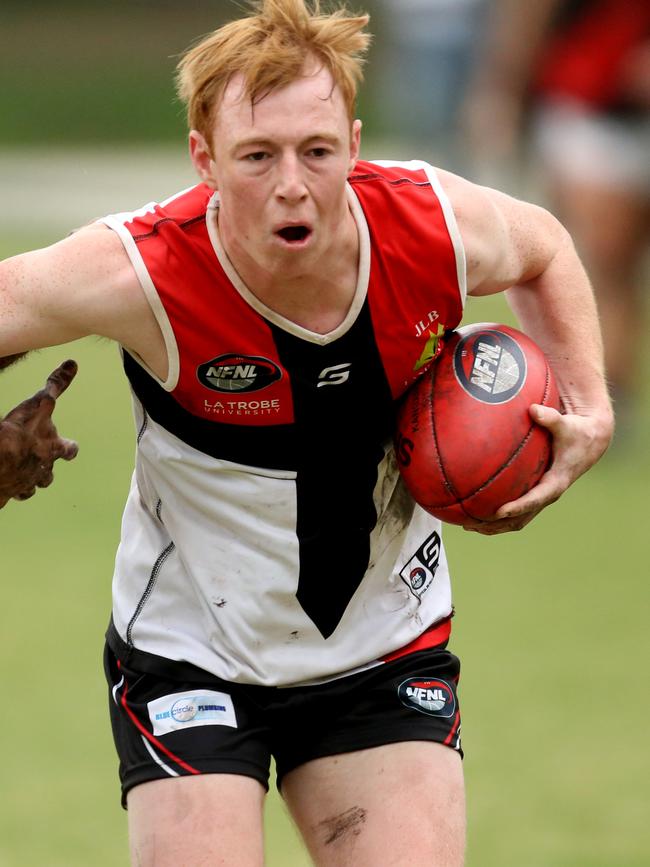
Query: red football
[[465, 441]]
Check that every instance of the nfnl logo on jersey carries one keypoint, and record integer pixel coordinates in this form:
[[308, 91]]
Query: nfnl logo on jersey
[[421, 569], [238, 373], [433, 697]]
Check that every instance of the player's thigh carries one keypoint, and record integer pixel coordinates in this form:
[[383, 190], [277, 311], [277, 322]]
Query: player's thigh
[[212, 819], [399, 804]]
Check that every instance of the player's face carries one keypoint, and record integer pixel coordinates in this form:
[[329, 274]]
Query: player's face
[[280, 167]]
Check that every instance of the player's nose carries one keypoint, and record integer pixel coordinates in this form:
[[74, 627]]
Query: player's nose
[[291, 186]]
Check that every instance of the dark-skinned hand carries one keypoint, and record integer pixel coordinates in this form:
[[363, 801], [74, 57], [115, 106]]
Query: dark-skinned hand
[[29, 442]]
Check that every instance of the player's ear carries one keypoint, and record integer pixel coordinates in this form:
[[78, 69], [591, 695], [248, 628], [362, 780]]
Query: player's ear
[[201, 157], [355, 144]]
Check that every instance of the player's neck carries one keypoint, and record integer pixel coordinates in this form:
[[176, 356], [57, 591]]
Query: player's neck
[[316, 297]]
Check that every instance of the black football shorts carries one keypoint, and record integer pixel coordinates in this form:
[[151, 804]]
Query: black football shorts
[[178, 726]]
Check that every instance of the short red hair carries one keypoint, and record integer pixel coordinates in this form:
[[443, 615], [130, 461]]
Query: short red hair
[[271, 48]]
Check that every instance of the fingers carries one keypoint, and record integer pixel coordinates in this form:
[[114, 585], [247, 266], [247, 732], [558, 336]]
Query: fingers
[[31, 443], [65, 449], [25, 495], [516, 514], [546, 416], [39, 474], [546, 491], [44, 401], [60, 379], [502, 525], [32, 409], [45, 478], [38, 408]]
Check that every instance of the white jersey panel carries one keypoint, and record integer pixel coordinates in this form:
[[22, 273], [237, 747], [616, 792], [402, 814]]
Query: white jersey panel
[[222, 594]]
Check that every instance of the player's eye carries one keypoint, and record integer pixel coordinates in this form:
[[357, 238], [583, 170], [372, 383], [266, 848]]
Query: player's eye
[[318, 152], [256, 156]]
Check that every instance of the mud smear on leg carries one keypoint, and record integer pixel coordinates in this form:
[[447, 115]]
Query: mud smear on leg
[[342, 826]]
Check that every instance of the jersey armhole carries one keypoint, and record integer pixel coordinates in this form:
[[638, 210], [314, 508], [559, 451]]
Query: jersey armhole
[[151, 294], [448, 214], [452, 228]]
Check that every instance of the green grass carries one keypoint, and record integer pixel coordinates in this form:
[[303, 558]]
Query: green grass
[[102, 73], [551, 628], [96, 72]]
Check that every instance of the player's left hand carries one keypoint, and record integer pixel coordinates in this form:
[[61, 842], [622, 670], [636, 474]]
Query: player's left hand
[[578, 442]]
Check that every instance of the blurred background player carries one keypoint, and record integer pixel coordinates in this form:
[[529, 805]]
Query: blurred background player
[[429, 49], [565, 84]]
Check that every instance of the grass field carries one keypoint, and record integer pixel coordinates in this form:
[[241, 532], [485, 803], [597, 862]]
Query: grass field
[[551, 626]]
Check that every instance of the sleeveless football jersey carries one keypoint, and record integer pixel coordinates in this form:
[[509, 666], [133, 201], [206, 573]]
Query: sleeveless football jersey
[[267, 537]]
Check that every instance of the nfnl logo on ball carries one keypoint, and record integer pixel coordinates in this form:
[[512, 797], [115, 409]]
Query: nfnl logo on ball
[[490, 366]]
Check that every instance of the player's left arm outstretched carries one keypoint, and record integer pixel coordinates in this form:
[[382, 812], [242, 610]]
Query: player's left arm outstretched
[[522, 250]]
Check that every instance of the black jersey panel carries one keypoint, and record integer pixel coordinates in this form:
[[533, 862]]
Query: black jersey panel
[[257, 446], [344, 415]]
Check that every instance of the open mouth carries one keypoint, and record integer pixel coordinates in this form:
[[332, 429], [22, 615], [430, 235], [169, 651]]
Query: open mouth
[[294, 234]]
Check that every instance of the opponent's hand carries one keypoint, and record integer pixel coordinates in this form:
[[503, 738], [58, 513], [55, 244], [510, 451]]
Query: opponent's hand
[[29, 442], [578, 442]]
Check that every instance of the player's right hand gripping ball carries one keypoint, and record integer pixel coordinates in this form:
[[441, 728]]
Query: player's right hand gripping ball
[[465, 441]]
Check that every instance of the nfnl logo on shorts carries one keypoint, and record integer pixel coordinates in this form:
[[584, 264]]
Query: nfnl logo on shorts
[[184, 710], [433, 697]]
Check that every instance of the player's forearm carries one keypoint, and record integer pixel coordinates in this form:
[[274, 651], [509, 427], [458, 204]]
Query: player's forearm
[[557, 308]]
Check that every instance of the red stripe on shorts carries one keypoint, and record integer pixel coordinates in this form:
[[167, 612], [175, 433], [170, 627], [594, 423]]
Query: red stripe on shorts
[[436, 634], [453, 731], [151, 738]]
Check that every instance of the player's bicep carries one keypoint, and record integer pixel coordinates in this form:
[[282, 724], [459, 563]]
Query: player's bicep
[[507, 241], [61, 293], [26, 299]]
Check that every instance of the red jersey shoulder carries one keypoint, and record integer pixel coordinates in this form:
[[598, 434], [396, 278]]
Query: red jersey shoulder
[[399, 172], [401, 207], [392, 182], [184, 208]]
